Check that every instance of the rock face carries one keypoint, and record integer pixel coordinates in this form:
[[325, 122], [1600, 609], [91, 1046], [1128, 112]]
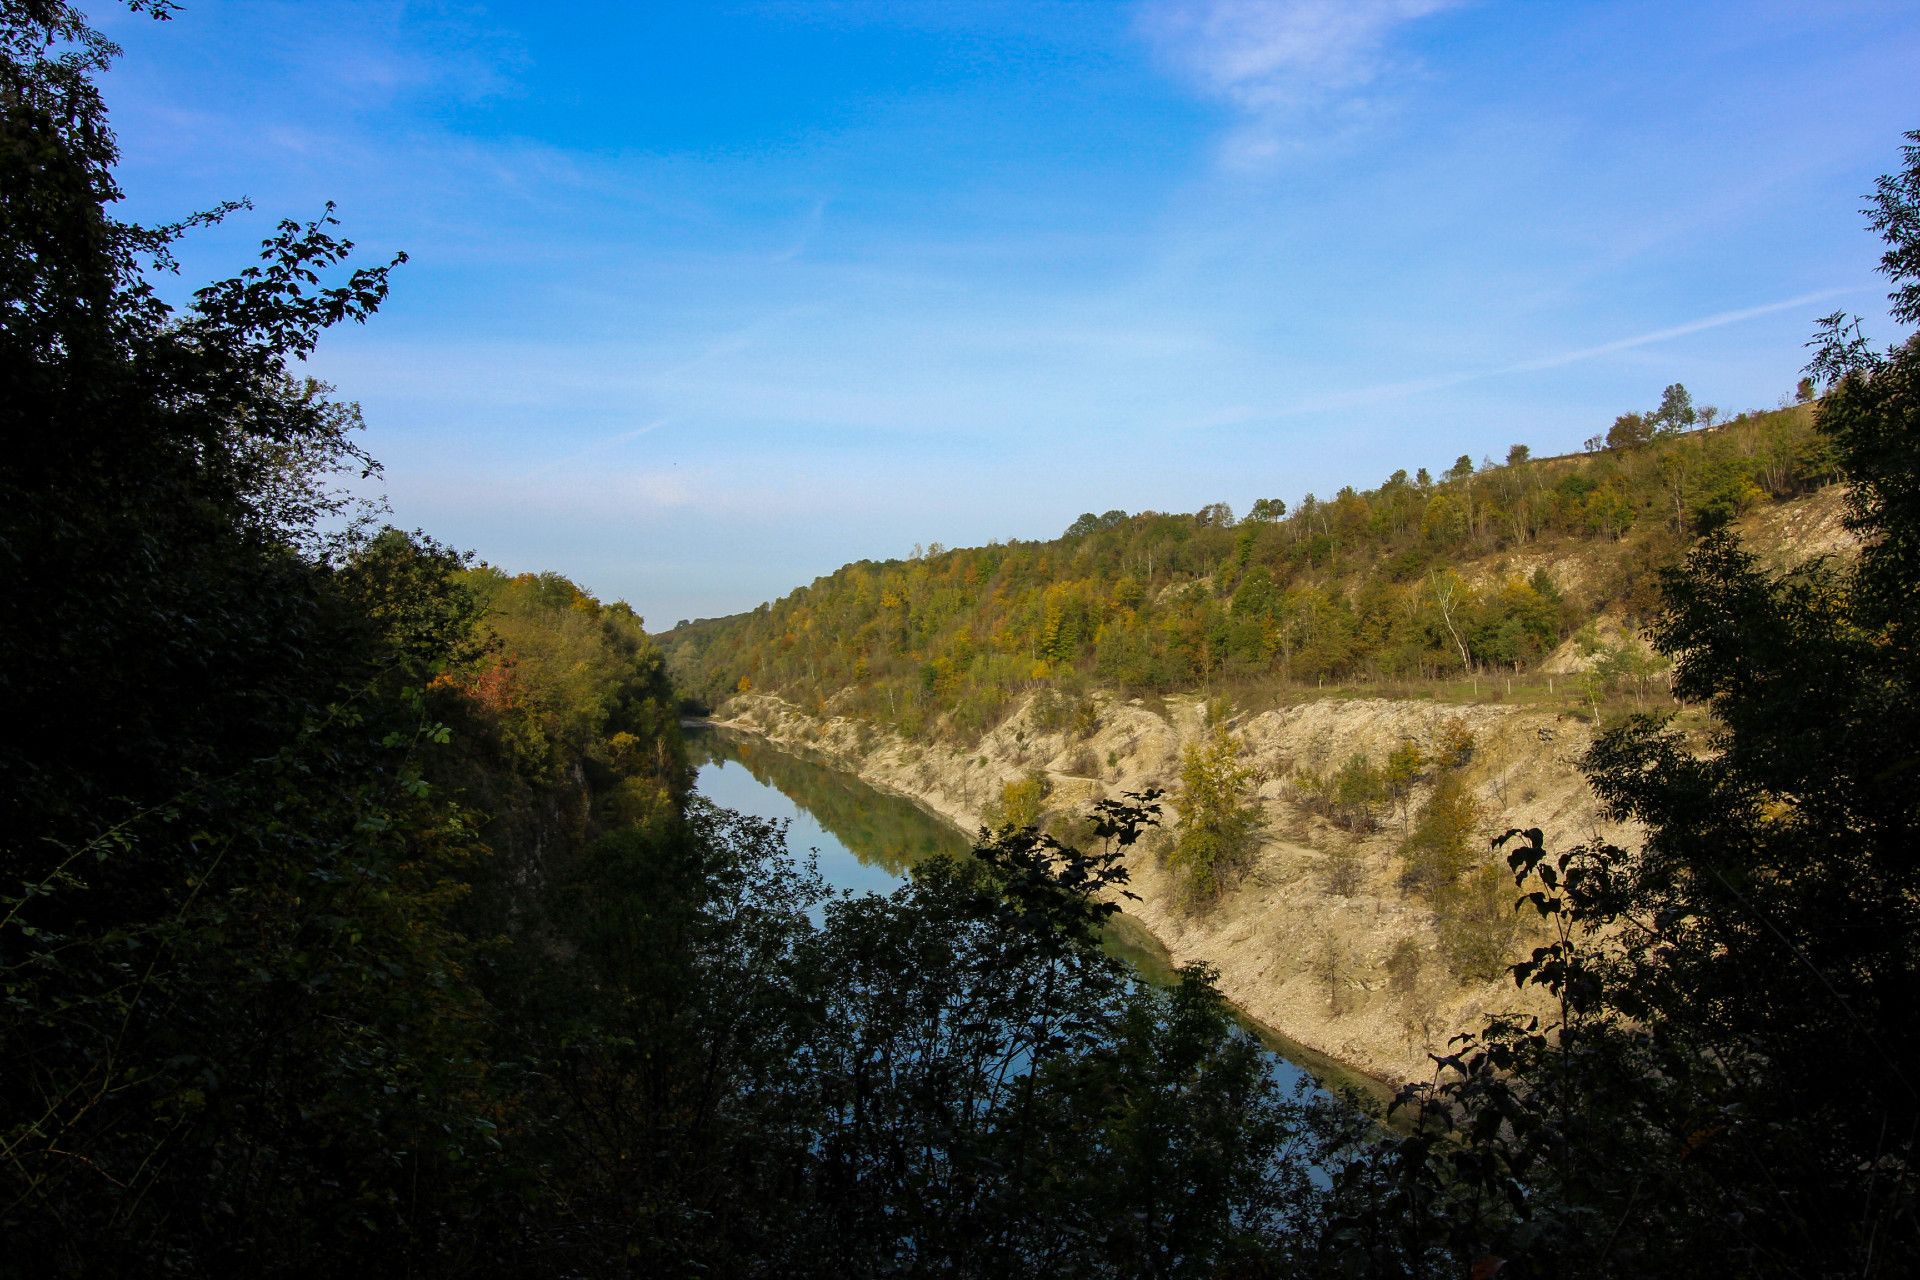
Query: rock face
[[1357, 975]]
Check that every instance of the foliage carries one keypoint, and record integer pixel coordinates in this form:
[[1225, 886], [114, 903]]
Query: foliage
[[1219, 820], [1477, 926], [1406, 764], [1441, 860], [1065, 709], [564, 720], [1021, 803], [1442, 845], [1344, 873], [1349, 795], [1357, 788], [1727, 1087], [1611, 667], [764, 1080], [244, 1022], [1367, 584]]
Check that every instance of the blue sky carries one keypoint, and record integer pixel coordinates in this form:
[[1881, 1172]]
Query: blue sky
[[707, 299]]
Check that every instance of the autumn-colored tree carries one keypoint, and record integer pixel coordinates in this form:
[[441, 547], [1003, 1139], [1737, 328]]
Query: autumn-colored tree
[[1219, 821], [1021, 803], [1444, 842], [1401, 771]]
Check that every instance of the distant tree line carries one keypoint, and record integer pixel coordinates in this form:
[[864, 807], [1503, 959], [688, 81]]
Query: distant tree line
[[1363, 585]]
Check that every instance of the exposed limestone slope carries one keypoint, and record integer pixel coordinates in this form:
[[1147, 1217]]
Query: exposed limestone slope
[[1787, 532], [1305, 960]]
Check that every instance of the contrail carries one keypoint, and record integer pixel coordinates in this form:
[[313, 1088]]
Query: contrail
[[1661, 335], [605, 442], [1394, 390]]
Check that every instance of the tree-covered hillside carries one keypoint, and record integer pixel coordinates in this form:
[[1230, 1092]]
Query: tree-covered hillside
[[1411, 580]]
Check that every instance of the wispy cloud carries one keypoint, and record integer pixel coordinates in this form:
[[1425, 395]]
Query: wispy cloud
[[1715, 321], [1281, 61]]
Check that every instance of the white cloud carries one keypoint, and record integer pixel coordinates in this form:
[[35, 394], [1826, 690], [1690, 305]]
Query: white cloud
[[1280, 61]]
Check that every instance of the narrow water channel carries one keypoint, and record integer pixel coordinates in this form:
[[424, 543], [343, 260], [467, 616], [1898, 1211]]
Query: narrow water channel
[[866, 840]]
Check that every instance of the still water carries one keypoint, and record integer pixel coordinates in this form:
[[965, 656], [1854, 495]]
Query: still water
[[866, 840]]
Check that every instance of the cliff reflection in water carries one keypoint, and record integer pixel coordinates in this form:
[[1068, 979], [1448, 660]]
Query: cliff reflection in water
[[871, 837], [867, 839], [879, 829]]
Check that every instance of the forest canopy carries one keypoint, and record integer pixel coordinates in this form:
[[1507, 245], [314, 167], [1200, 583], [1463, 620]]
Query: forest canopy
[[1387, 583]]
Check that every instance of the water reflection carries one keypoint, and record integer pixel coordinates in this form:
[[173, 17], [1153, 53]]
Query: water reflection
[[867, 839]]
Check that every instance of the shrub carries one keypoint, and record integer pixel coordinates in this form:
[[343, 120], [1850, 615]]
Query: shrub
[[1021, 803], [1219, 824]]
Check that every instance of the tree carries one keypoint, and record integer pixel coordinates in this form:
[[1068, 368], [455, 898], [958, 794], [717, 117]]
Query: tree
[[983, 1089], [1021, 803], [1440, 849], [1675, 414], [1218, 820], [243, 1028], [1266, 510], [1447, 589], [1894, 212], [1402, 770], [239, 1032], [1764, 939], [1355, 788], [1518, 455], [1629, 431]]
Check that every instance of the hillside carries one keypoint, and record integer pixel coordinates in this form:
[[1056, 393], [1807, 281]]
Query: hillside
[[1397, 675], [1480, 571], [1320, 938]]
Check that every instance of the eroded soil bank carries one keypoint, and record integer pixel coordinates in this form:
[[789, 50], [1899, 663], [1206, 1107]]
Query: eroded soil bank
[[1318, 965]]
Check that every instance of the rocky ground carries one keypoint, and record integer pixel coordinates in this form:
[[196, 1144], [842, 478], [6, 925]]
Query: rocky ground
[[1293, 953]]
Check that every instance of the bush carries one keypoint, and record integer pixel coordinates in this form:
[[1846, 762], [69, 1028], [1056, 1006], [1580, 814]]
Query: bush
[[1355, 790], [1021, 803], [1441, 847], [1477, 924], [1219, 824], [1348, 796], [1343, 871]]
